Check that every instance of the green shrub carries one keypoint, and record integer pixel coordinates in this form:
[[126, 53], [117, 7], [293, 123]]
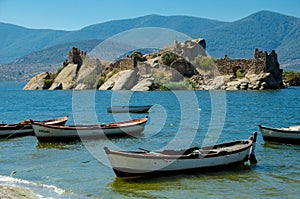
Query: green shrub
[[48, 83], [292, 78], [205, 63], [101, 81], [168, 57], [138, 56], [240, 73], [115, 71], [59, 70]]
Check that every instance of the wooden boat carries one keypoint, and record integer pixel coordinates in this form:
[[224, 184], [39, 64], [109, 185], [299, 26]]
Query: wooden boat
[[56, 133], [24, 128], [290, 135], [128, 163], [128, 109]]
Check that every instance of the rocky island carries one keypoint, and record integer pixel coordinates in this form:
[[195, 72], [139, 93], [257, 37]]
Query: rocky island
[[183, 65]]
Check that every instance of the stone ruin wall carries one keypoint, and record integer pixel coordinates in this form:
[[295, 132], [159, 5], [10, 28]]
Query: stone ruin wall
[[76, 56], [124, 64], [261, 63]]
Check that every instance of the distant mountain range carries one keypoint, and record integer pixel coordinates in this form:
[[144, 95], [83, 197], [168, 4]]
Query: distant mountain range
[[264, 30]]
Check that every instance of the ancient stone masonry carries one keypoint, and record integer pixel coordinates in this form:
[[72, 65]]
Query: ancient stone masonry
[[124, 64], [261, 63], [76, 56]]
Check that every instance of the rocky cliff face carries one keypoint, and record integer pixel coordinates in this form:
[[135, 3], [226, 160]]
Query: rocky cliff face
[[79, 72], [150, 72], [37, 82]]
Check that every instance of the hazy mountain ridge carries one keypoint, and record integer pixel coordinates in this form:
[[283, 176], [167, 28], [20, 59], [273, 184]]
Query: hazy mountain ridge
[[57, 53], [264, 30], [18, 41]]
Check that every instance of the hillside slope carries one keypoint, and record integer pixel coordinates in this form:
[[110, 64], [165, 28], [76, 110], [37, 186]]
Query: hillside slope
[[264, 30]]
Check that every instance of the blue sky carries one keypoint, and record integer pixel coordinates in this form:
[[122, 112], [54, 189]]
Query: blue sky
[[76, 14]]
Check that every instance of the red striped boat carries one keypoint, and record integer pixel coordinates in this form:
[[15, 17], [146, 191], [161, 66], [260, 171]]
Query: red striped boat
[[56, 133]]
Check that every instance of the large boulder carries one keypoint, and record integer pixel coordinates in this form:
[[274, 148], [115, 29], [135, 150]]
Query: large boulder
[[37, 82], [88, 74], [66, 79], [190, 49], [123, 80], [145, 83], [182, 69], [218, 83], [254, 82]]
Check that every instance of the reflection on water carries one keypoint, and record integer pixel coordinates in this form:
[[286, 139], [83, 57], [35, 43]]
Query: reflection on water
[[61, 146], [176, 186]]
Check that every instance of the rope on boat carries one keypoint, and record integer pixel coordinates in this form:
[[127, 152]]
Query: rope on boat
[[14, 132]]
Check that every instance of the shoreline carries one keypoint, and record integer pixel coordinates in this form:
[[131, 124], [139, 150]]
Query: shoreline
[[12, 192]]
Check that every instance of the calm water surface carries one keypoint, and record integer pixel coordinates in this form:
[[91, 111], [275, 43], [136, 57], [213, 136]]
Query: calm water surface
[[178, 119]]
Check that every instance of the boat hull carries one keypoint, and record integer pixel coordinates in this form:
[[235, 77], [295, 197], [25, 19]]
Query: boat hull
[[25, 128], [280, 135], [46, 133], [15, 131], [127, 164], [175, 166], [128, 109]]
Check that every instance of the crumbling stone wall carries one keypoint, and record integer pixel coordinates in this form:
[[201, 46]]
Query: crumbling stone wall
[[261, 63], [76, 56], [124, 64]]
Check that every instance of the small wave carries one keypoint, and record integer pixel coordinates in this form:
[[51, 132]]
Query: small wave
[[41, 190]]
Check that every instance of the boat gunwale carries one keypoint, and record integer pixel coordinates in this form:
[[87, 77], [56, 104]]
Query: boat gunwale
[[211, 152], [28, 125], [123, 124], [278, 129], [128, 109]]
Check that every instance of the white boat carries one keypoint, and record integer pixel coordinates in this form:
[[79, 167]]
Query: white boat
[[128, 109], [290, 135], [128, 163], [55, 133], [24, 128]]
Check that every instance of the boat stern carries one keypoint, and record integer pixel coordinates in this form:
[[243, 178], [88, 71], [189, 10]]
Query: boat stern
[[252, 157]]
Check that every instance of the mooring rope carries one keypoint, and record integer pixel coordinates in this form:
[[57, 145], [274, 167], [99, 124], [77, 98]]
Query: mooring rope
[[13, 133]]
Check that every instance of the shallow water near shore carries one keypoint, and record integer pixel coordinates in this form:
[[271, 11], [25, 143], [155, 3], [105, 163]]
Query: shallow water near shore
[[79, 170]]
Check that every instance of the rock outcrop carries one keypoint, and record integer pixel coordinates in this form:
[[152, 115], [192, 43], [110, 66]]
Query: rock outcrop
[[182, 68], [145, 83], [190, 49], [66, 78], [80, 72], [88, 74], [38, 82], [150, 72], [123, 80], [261, 72]]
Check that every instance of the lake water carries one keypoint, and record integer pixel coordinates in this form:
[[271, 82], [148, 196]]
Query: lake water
[[177, 119]]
